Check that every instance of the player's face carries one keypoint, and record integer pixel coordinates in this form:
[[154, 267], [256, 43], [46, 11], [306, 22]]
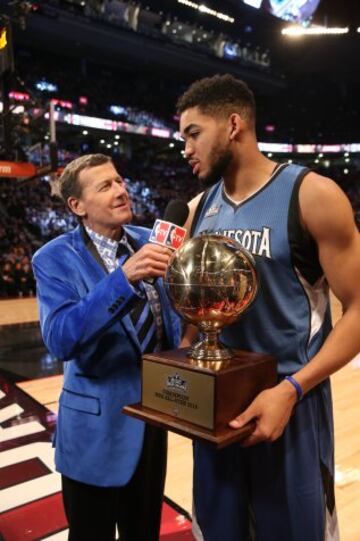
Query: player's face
[[206, 144]]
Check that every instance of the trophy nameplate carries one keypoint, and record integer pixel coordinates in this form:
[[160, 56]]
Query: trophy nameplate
[[196, 401]]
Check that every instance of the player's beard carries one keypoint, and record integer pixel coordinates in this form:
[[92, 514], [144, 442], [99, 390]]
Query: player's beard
[[221, 161]]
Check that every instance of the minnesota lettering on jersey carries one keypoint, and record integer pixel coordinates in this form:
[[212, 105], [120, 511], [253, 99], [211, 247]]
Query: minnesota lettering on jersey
[[256, 242]]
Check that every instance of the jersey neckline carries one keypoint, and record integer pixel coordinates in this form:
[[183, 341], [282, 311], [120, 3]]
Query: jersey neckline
[[275, 173]]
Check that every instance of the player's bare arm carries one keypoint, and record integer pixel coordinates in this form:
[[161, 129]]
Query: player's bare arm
[[327, 215]]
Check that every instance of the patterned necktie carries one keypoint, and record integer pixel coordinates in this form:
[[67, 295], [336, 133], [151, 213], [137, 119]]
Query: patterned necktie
[[141, 315]]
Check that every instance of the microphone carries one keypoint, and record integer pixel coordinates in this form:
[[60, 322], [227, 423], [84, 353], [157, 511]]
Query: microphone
[[169, 231], [176, 212]]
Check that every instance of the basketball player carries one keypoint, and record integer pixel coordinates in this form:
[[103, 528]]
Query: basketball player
[[278, 485]]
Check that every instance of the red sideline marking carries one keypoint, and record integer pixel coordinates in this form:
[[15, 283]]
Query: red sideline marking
[[43, 517], [22, 472], [174, 527], [34, 520], [46, 516]]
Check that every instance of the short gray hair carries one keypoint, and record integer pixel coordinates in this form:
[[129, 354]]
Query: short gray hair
[[68, 184]]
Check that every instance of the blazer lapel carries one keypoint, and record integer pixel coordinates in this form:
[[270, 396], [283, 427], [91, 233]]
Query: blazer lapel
[[89, 254], [96, 267], [90, 247]]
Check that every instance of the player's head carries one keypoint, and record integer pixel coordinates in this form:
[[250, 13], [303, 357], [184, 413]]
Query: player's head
[[215, 113]]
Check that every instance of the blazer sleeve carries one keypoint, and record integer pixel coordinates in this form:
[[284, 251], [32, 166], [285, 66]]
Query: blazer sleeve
[[70, 315]]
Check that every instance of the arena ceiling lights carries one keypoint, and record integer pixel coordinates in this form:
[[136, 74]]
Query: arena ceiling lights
[[253, 3], [208, 11], [106, 124], [298, 31]]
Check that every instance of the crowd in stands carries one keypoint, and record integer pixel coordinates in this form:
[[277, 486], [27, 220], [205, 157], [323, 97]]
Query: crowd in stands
[[143, 96], [166, 22], [301, 113], [105, 90], [30, 215], [16, 242], [282, 118], [295, 112]]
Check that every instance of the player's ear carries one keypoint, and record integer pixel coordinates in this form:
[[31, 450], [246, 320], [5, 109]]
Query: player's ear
[[236, 126]]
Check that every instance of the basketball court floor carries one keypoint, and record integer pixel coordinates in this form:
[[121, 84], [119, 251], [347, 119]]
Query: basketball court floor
[[30, 382]]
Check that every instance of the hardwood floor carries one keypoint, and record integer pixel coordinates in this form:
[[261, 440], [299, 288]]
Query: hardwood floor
[[15, 311], [346, 394]]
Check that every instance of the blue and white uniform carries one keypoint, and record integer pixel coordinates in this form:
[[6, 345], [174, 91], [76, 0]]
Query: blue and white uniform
[[281, 491]]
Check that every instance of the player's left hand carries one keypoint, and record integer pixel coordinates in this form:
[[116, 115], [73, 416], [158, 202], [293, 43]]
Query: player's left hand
[[271, 410]]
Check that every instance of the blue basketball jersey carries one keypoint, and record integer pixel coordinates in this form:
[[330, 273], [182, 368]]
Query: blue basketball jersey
[[290, 318], [285, 489]]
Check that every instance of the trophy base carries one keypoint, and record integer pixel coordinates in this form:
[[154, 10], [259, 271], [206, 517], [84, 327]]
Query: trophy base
[[219, 438], [198, 398]]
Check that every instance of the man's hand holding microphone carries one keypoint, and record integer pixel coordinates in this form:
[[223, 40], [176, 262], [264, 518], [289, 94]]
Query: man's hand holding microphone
[[167, 235]]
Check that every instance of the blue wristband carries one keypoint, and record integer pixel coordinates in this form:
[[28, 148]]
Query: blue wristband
[[296, 384]]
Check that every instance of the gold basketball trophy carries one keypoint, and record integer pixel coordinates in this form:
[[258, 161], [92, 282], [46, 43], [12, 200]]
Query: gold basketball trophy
[[196, 391]]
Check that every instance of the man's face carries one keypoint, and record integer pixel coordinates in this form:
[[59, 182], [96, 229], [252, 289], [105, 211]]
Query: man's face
[[104, 204], [206, 144]]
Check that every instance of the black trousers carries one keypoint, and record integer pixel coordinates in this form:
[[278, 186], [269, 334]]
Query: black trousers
[[92, 512]]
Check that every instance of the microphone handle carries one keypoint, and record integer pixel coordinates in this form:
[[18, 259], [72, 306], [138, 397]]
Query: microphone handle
[[150, 280]]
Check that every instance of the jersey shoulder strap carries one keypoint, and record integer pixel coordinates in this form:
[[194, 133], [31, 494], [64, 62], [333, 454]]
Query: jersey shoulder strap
[[198, 211]]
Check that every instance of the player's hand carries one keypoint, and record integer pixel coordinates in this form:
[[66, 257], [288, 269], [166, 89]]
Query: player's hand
[[190, 335], [150, 261], [271, 410]]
